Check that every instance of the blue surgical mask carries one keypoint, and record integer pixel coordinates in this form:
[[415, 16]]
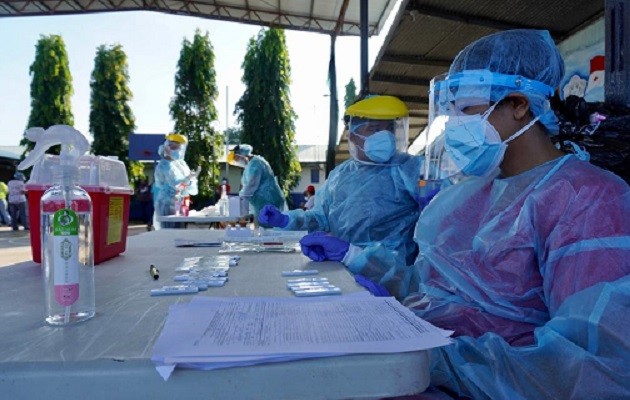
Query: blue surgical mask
[[378, 147], [176, 154], [474, 144]]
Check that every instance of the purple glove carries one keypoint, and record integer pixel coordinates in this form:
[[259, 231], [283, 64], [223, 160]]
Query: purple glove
[[376, 289], [270, 215], [320, 246]]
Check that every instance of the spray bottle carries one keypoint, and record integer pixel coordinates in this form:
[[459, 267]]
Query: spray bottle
[[224, 204], [66, 229]]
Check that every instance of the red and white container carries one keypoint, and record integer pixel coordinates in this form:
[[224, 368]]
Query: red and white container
[[106, 182]]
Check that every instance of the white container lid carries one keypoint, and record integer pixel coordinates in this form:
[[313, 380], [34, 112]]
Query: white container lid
[[96, 172]]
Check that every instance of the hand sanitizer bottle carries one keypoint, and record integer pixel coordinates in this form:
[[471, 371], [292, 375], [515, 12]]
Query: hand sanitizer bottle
[[66, 229], [224, 203]]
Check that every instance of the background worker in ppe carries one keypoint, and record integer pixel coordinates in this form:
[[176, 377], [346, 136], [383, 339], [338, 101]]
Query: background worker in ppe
[[173, 180], [369, 200], [527, 258], [258, 182]]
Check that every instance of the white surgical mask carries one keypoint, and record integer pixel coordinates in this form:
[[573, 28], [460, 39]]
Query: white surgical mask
[[474, 144]]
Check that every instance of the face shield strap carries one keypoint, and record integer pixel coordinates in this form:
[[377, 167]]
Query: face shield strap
[[476, 87]]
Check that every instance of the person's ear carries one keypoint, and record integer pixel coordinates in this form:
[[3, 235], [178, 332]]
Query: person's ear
[[520, 107]]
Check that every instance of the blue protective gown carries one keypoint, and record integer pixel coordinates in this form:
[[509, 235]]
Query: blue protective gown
[[259, 185], [532, 274], [170, 182], [370, 206]]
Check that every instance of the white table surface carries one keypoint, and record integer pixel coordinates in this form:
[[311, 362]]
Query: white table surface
[[108, 357], [199, 219]]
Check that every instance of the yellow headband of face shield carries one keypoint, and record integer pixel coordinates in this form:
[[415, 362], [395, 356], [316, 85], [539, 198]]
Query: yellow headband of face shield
[[176, 137], [230, 157], [378, 107]]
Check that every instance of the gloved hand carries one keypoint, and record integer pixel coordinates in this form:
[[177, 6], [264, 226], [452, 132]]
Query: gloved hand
[[194, 174], [270, 215], [376, 289], [320, 246], [424, 201]]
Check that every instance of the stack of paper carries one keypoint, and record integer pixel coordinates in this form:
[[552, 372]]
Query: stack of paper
[[210, 333]]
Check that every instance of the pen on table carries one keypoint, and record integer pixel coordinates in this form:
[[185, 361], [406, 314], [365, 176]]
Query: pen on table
[[154, 272]]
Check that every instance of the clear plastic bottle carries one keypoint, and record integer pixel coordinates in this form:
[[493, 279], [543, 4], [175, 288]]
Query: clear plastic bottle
[[224, 203], [66, 228], [68, 254]]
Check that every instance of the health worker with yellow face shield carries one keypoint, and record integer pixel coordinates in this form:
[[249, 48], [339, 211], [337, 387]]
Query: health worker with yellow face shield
[[173, 180], [369, 201]]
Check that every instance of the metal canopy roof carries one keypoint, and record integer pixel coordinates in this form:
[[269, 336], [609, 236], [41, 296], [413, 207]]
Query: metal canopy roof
[[427, 35], [339, 17]]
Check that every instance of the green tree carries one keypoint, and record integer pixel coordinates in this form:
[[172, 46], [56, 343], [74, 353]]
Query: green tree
[[351, 93], [192, 108], [111, 118], [264, 111], [51, 87], [233, 134]]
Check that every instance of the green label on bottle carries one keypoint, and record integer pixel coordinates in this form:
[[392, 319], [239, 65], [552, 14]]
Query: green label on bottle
[[65, 223], [65, 256]]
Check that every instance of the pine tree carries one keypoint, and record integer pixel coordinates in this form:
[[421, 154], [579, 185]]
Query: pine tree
[[111, 118], [193, 110], [264, 110], [351, 93], [51, 87]]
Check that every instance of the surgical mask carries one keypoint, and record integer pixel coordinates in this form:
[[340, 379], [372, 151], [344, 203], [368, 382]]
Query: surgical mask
[[474, 144], [378, 147], [176, 154], [239, 162], [305, 197]]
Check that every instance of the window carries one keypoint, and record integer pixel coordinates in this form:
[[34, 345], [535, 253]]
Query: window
[[314, 175]]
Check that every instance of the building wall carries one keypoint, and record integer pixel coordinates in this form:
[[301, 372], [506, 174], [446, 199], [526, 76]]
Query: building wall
[[583, 55]]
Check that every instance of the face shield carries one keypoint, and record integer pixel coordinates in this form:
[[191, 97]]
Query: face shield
[[376, 140], [174, 146], [236, 160], [174, 150], [460, 141]]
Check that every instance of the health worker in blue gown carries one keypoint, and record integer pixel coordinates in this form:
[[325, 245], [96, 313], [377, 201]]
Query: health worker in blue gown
[[370, 200], [526, 257], [173, 179]]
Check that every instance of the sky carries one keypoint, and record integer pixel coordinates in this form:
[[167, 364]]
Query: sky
[[152, 42]]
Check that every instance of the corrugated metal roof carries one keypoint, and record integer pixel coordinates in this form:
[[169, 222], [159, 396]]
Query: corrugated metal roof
[[427, 35], [323, 16]]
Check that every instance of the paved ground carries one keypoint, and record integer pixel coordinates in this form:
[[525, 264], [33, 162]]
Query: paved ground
[[15, 246]]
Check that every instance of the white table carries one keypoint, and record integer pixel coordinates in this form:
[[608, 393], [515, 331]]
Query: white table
[[212, 220], [108, 357]]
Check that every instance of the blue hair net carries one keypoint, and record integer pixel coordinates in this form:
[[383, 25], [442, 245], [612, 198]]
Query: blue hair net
[[243, 149], [529, 53]]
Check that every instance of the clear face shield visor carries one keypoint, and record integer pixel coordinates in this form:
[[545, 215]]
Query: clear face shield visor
[[376, 141], [454, 133], [236, 160], [174, 150]]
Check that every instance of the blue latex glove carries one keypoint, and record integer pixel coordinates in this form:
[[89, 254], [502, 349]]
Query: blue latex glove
[[270, 215], [320, 246], [423, 201], [372, 287]]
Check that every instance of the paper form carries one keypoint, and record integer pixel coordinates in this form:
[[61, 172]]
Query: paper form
[[218, 332]]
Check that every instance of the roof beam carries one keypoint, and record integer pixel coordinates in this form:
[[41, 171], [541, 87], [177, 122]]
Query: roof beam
[[415, 60], [584, 24], [400, 79], [416, 6], [422, 101], [340, 20]]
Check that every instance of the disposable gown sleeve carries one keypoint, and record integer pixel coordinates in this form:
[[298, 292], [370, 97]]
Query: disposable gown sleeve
[[252, 175], [583, 352], [383, 264], [315, 219]]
